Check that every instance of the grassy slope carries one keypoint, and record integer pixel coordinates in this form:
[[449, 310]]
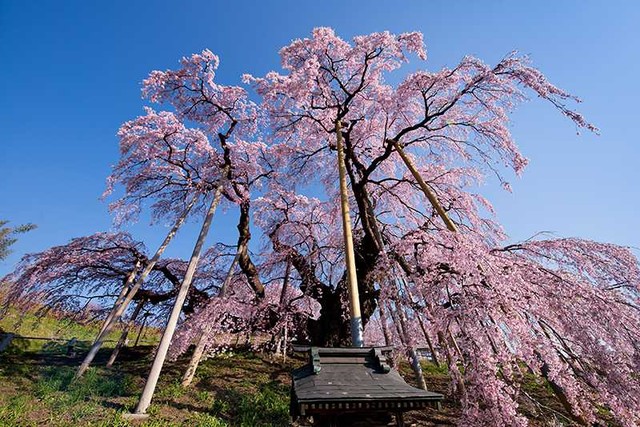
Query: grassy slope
[[243, 389], [28, 325], [48, 326]]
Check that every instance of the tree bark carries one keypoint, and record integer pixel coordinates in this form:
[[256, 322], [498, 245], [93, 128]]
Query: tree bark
[[248, 267], [158, 362], [134, 289]]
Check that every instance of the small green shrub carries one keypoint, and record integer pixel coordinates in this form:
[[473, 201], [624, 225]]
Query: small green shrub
[[206, 420], [172, 390], [203, 396], [219, 407], [14, 410], [268, 407]]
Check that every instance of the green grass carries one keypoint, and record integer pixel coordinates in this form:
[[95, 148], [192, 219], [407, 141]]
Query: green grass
[[268, 407], [62, 329], [171, 391], [48, 326], [206, 420], [235, 389], [38, 388], [56, 385], [14, 409]]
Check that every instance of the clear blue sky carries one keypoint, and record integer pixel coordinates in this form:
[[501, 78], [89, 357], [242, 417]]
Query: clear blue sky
[[70, 74]]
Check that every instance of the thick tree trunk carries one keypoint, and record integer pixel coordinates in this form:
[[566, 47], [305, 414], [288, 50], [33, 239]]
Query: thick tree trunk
[[330, 329], [125, 333], [134, 289], [158, 362], [244, 260]]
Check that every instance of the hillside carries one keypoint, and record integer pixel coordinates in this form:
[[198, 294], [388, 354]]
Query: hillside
[[241, 388]]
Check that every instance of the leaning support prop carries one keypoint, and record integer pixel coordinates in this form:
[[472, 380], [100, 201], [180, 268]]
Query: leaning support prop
[[423, 185], [357, 339]]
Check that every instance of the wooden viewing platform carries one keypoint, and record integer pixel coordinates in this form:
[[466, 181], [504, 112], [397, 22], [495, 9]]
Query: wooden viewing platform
[[353, 386]]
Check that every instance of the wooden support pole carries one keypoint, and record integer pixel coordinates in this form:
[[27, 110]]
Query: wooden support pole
[[187, 377], [110, 322], [283, 300], [125, 333], [423, 185], [144, 320], [357, 339], [119, 300], [165, 341], [134, 289], [400, 320], [201, 345]]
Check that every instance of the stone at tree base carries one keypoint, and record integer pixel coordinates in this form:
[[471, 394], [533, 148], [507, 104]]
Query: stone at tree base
[[135, 417]]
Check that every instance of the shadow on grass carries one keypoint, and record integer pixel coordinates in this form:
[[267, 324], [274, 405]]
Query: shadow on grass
[[38, 388]]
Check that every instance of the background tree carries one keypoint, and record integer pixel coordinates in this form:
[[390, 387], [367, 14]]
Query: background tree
[[93, 270], [8, 236]]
